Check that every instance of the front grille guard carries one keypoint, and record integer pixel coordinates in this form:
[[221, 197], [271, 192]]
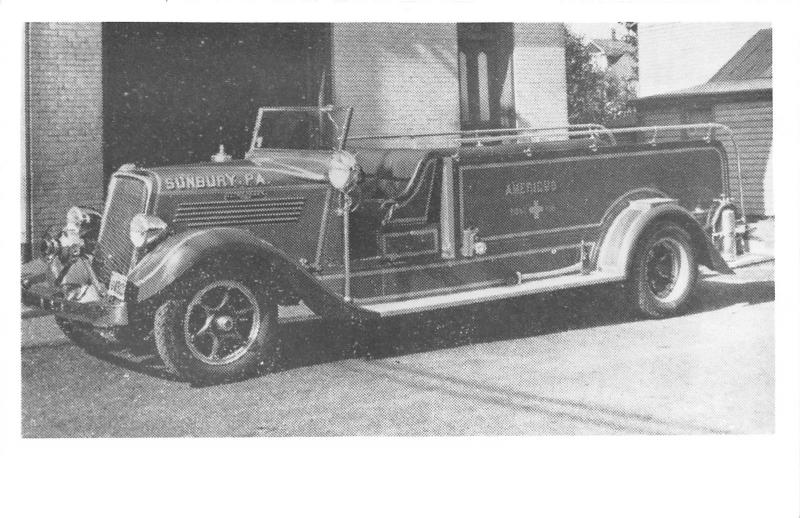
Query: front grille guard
[[103, 276]]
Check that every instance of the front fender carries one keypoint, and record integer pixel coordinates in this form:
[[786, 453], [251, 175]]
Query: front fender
[[177, 255], [619, 243]]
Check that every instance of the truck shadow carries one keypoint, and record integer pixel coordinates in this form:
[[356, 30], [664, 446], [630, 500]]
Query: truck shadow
[[317, 342]]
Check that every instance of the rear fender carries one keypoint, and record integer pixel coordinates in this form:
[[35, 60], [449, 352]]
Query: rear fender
[[178, 254], [619, 243]]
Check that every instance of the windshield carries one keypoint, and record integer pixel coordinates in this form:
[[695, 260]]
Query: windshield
[[299, 128]]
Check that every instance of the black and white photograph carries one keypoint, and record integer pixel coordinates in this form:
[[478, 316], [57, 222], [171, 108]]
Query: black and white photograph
[[262, 227], [467, 228]]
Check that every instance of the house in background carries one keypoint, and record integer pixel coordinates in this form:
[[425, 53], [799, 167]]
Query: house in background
[[737, 94], [100, 95], [673, 56], [613, 57]]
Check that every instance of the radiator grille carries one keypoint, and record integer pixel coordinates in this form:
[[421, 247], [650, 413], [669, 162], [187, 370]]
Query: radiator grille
[[258, 211], [127, 197]]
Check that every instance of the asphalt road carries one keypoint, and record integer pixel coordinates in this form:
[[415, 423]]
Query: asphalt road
[[571, 363]]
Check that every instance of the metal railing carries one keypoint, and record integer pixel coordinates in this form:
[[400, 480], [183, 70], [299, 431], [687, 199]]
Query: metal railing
[[598, 134], [711, 130], [480, 137]]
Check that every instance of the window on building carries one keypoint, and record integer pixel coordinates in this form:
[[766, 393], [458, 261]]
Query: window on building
[[486, 75], [462, 84]]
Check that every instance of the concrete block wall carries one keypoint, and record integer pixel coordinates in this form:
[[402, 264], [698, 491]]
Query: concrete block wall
[[65, 121], [540, 80], [401, 78]]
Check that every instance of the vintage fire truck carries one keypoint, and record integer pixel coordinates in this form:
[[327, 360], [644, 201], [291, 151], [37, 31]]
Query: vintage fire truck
[[201, 256]]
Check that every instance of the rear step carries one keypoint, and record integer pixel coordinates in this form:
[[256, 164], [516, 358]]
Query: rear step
[[563, 282]]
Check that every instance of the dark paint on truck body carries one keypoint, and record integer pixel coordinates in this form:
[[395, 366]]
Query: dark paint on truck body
[[573, 197], [286, 211], [533, 208]]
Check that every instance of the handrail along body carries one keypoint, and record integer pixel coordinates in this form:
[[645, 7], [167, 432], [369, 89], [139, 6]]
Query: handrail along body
[[592, 131]]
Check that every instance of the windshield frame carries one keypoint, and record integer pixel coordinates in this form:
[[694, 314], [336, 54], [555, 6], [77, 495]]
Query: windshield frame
[[326, 110]]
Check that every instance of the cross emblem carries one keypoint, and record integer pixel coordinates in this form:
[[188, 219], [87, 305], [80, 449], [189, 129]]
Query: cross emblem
[[535, 209]]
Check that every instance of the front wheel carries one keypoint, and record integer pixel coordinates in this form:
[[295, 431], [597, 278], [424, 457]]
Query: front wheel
[[217, 330], [664, 271]]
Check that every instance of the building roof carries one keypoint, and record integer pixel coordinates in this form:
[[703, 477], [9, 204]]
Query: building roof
[[753, 61], [749, 70], [613, 48]]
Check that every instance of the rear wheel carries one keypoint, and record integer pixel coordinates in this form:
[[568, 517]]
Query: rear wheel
[[664, 272], [217, 330]]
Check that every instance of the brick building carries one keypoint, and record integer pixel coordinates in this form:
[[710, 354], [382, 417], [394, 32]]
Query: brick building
[[100, 95]]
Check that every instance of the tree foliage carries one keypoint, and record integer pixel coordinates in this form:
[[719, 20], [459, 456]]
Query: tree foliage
[[583, 83], [592, 95]]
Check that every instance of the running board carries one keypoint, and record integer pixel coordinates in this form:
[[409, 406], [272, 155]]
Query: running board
[[749, 259], [463, 298]]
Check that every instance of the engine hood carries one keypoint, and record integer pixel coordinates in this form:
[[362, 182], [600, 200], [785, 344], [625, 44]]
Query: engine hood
[[263, 168], [282, 197]]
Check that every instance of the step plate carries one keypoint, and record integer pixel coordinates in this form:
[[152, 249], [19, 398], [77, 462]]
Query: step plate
[[386, 309]]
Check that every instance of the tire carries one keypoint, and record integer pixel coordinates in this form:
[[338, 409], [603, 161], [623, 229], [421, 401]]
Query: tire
[[83, 335], [217, 329], [663, 272]]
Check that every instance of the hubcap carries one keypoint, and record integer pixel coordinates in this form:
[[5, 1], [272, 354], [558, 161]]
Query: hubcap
[[663, 266], [222, 322]]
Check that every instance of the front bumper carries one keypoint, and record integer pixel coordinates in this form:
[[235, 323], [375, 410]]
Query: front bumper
[[98, 313], [40, 291]]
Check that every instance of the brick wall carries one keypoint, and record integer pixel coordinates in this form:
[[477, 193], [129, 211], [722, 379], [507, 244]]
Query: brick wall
[[65, 121], [540, 81], [673, 56], [401, 78]]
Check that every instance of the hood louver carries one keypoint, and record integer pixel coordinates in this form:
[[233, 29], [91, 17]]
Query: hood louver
[[257, 211]]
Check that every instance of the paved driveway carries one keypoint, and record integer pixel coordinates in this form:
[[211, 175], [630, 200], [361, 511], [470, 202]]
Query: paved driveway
[[570, 363]]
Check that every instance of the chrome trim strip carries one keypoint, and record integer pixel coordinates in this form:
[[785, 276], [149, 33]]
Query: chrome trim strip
[[490, 294], [448, 264], [602, 156], [538, 232], [447, 215], [629, 193], [322, 225], [444, 289]]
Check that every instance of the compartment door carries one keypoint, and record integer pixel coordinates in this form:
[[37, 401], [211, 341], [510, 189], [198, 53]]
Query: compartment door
[[534, 210]]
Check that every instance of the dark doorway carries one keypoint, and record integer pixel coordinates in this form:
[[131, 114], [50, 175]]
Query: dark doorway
[[173, 92], [486, 77]]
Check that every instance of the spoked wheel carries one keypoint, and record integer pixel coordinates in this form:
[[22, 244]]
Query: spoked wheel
[[222, 322], [222, 330], [664, 271]]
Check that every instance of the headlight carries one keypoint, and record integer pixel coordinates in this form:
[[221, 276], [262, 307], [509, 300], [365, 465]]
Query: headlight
[[145, 229], [343, 171], [78, 236]]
